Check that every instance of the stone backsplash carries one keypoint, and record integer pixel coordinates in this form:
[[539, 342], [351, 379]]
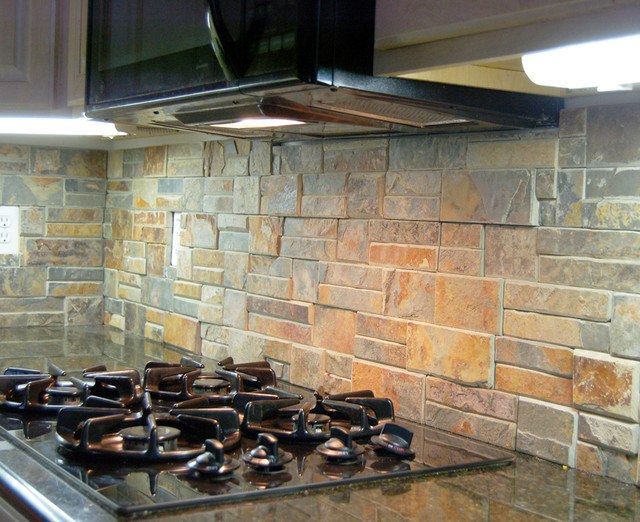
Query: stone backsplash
[[488, 283], [56, 279]]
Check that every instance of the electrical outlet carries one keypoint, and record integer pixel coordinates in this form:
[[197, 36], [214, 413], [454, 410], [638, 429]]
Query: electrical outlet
[[9, 230]]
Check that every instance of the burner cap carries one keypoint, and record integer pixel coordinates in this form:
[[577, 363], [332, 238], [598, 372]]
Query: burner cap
[[394, 439], [266, 456], [213, 462], [340, 447], [137, 437]]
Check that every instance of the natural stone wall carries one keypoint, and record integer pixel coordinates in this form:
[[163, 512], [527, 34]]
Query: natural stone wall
[[56, 279], [487, 283]]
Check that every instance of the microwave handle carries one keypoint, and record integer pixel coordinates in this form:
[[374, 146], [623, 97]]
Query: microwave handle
[[221, 42]]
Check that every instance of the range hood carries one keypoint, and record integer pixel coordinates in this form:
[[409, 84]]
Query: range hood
[[308, 61]]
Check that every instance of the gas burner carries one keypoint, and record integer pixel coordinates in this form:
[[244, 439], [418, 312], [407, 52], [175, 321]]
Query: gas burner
[[187, 381], [110, 389], [29, 391], [255, 375], [108, 433], [361, 414]]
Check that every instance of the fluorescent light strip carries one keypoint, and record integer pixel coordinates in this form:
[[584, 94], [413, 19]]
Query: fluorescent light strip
[[607, 64], [58, 127], [258, 123]]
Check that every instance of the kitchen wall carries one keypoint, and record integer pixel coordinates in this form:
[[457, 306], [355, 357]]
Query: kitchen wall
[[56, 277], [487, 283]]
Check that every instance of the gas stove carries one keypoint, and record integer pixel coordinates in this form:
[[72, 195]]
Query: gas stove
[[197, 433]]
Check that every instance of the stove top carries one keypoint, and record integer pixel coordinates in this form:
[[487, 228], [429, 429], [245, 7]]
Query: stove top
[[194, 433]]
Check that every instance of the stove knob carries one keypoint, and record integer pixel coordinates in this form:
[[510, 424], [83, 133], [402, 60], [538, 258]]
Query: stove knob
[[340, 447], [394, 439], [266, 456], [213, 462]]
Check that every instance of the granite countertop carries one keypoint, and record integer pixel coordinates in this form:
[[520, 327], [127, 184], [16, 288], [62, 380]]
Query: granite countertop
[[527, 489]]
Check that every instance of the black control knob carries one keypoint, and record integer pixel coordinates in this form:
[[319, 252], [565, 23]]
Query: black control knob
[[266, 456], [340, 447], [213, 461], [394, 439]]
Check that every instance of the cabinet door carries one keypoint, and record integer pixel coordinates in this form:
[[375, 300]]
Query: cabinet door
[[27, 64], [76, 32]]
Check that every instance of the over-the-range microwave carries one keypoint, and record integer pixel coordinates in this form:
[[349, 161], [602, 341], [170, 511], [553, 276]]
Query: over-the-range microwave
[[198, 64]]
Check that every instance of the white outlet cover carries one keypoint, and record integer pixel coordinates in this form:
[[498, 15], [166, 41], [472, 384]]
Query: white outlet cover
[[12, 245]]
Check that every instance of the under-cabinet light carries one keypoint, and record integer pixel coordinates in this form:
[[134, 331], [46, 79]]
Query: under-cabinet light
[[258, 123], [610, 64], [58, 127]]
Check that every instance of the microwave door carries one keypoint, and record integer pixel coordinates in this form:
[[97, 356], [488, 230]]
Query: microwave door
[[141, 50]]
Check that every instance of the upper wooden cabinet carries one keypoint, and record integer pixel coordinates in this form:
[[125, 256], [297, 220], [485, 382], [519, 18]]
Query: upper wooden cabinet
[[42, 56]]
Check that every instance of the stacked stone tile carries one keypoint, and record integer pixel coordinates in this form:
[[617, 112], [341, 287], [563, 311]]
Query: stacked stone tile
[[488, 283], [57, 278]]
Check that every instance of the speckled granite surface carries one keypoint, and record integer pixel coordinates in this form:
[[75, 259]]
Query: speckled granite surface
[[528, 489]]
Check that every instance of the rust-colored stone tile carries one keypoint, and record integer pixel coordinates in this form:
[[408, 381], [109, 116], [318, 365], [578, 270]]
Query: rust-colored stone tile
[[155, 316], [353, 240], [82, 215], [357, 299], [156, 258], [473, 400], [379, 327], [410, 295], [455, 354], [557, 300], [496, 431], [511, 252], [187, 289], [605, 384], [566, 331], [534, 384], [113, 254], [280, 328], [405, 389], [198, 230], [468, 302], [264, 235], [63, 252], [334, 329], [555, 360], [121, 224], [464, 261], [298, 312], [155, 162], [339, 364], [22, 282], [71, 288], [277, 287], [406, 232], [589, 458], [404, 256], [462, 235], [392, 354], [307, 366], [182, 331], [73, 230]]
